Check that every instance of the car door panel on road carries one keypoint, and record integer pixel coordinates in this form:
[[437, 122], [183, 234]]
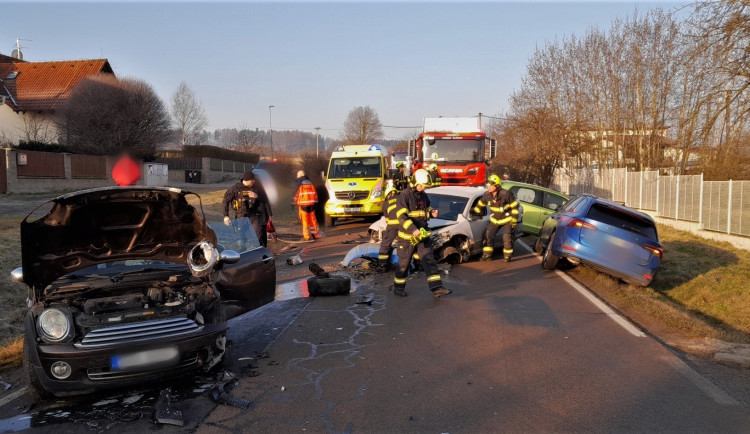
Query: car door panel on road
[[512, 349]]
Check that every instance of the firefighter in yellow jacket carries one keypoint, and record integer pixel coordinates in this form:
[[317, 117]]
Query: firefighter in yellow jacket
[[503, 214], [414, 236], [391, 229], [305, 198]]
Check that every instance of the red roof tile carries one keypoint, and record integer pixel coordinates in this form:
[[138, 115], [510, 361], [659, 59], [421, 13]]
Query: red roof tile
[[43, 86]]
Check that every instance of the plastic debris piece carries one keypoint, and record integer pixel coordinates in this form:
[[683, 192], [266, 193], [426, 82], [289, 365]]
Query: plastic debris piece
[[364, 299], [220, 394], [5, 385], [165, 413], [316, 270], [294, 260]]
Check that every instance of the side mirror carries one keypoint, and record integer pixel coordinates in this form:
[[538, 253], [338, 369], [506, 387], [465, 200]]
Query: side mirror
[[229, 257], [16, 276]]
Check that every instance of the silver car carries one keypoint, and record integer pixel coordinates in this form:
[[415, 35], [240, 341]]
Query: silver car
[[457, 232]]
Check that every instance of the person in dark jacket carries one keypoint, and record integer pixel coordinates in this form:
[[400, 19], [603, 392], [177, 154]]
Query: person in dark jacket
[[414, 236], [248, 199]]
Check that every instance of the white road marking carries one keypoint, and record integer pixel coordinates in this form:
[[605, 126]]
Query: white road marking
[[713, 391], [12, 396], [627, 325], [706, 386]]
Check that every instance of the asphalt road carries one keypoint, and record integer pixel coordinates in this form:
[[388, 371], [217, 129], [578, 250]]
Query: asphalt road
[[514, 349]]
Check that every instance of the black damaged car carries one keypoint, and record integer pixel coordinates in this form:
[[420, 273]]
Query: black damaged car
[[130, 284]]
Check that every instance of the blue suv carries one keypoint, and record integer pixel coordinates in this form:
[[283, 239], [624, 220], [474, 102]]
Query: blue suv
[[608, 237]]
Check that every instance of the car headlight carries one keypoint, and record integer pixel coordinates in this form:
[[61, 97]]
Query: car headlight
[[377, 193], [54, 325], [202, 259]]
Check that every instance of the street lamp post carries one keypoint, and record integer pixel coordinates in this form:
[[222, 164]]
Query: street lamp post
[[270, 128], [317, 136]]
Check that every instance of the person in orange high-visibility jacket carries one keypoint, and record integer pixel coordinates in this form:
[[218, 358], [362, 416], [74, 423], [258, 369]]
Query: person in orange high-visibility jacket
[[305, 198], [503, 214]]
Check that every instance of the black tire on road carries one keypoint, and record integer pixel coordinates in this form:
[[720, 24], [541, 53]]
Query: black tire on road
[[333, 285], [330, 221], [549, 260]]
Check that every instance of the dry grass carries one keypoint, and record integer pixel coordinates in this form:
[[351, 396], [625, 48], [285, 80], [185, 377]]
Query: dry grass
[[12, 295], [11, 354], [701, 289]]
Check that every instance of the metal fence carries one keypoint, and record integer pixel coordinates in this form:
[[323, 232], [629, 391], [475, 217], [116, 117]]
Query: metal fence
[[722, 206]]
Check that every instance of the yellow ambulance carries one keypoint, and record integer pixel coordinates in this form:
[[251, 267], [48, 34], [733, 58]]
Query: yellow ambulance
[[355, 182]]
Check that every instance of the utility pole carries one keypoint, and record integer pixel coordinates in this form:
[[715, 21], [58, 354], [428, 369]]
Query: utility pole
[[317, 136], [270, 128]]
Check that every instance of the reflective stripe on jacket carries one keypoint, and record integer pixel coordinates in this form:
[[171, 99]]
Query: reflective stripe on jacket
[[306, 194]]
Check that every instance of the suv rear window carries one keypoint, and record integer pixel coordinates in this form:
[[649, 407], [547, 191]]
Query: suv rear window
[[619, 219]]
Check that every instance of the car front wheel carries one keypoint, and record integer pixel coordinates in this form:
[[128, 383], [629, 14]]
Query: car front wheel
[[549, 260]]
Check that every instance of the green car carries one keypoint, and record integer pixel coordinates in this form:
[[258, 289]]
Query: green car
[[538, 203]]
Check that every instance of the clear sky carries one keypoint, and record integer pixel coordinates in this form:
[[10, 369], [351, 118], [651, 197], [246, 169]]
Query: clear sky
[[313, 61]]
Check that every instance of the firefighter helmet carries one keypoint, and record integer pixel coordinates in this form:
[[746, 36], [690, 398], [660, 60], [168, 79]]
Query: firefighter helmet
[[399, 165], [432, 167], [390, 189], [421, 177], [494, 180]]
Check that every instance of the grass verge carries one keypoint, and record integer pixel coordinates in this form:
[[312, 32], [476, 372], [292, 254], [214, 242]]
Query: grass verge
[[701, 290]]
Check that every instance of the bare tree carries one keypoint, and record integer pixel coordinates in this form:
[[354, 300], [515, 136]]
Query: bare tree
[[37, 128], [107, 116], [362, 126], [188, 114]]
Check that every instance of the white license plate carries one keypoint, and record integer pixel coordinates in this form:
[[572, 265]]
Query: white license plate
[[352, 209], [144, 359]]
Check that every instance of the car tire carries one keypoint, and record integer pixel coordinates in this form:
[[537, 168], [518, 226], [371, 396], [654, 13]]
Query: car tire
[[538, 245], [330, 221], [549, 259], [35, 386], [332, 285]]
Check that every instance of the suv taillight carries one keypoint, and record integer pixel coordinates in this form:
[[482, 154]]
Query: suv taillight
[[655, 250], [580, 224]]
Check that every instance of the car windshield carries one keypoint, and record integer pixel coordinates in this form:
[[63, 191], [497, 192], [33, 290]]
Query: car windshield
[[239, 236], [449, 207], [623, 220], [453, 150], [355, 167]]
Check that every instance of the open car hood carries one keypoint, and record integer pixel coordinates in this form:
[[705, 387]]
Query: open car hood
[[107, 224]]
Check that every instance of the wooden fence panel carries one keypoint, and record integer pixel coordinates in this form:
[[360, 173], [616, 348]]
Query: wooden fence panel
[[88, 166], [42, 165]]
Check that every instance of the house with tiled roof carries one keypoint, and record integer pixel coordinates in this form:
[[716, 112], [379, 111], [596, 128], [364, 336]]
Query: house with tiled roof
[[31, 92]]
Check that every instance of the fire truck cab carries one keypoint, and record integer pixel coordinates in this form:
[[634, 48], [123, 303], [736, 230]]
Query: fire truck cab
[[458, 146]]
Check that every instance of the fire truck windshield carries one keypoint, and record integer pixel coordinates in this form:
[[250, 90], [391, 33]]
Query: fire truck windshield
[[453, 150]]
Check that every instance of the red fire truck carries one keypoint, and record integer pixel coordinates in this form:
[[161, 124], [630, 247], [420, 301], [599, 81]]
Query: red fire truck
[[458, 146]]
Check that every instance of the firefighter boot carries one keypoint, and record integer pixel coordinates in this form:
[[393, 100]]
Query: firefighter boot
[[441, 291], [487, 254]]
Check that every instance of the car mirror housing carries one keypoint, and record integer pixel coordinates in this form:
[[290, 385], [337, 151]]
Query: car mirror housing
[[16, 276], [229, 257]]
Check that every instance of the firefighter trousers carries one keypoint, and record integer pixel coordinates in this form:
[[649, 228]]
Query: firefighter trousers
[[488, 242], [405, 251], [389, 234], [309, 224]]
